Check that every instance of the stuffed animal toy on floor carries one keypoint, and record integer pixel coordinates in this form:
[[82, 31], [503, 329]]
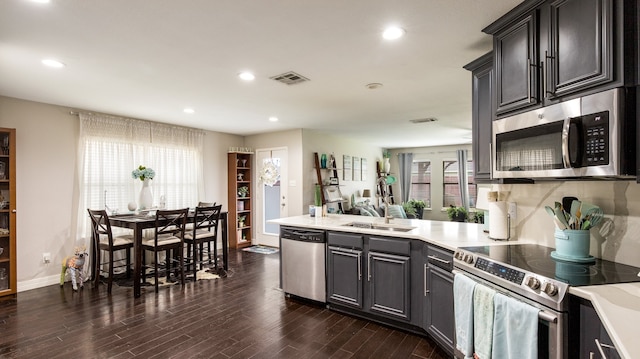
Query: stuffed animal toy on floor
[[74, 264]]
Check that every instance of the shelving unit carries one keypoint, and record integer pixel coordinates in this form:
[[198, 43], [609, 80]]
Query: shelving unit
[[239, 175], [381, 186], [8, 277], [329, 188]]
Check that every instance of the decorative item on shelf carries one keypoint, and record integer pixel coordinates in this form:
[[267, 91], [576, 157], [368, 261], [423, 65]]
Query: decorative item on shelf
[[241, 220], [243, 191], [573, 219], [240, 176], [244, 162], [5, 145], [323, 161], [386, 155], [333, 180], [145, 174], [457, 214]]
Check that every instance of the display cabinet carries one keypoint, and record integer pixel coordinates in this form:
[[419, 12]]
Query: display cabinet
[[239, 198], [8, 277]]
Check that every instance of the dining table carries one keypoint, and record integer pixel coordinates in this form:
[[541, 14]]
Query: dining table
[[139, 222]]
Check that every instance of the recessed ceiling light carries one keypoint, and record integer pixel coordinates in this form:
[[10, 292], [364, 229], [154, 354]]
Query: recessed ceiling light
[[273, 119], [52, 63], [393, 32], [189, 110], [374, 85], [247, 76], [41, 1]]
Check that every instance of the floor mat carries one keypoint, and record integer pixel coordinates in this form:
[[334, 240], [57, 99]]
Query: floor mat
[[261, 249]]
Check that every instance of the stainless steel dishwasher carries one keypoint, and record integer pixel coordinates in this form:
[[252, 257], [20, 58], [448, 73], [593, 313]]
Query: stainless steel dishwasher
[[302, 262]]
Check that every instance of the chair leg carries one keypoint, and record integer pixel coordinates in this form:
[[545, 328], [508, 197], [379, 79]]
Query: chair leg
[[201, 254], [128, 263], [193, 260], [155, 267], [215, 252], [110, 279], [181, 265]]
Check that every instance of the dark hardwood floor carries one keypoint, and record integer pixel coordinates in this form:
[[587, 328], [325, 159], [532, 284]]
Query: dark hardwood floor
[[243, 315]]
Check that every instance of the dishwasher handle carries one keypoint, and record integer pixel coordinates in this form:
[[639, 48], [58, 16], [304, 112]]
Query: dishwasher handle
[[303, 235]]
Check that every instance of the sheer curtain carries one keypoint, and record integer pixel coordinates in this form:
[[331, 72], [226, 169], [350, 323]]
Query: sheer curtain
[[110, 148], [462, 178]]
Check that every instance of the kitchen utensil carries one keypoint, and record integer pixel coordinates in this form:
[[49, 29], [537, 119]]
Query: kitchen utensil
[[552, 213], [594, 215], [566, 203], [560, 215]]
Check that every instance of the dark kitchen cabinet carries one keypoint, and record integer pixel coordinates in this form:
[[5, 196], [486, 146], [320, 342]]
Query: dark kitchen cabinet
[[481, 115], [588, 337], [581, 46], [516, 58], [375, 277], [438, 311], [547, 50], [344, 269], [388, 277]]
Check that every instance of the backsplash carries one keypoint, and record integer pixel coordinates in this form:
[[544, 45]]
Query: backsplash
[[616, 238]]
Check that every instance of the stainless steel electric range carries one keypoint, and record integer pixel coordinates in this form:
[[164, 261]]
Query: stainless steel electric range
[[528, 272]]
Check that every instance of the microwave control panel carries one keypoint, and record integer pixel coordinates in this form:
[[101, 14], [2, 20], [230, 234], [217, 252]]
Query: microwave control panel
[[595, 132]]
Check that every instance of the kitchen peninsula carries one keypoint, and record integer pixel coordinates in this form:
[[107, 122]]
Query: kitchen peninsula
[[412, 275]]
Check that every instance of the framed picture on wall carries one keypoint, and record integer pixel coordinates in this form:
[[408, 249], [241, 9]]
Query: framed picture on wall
[[356, 169], [346, 166], [363, 167]]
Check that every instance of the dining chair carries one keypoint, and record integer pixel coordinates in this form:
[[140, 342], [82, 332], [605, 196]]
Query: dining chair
[[104, 241], [204, 229], [168, 235]]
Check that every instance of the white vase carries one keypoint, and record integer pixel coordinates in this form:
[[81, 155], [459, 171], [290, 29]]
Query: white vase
[[387, 166], [145, 200]]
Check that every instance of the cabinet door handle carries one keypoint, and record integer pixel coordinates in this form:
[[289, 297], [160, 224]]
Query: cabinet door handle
[[425, 280], [368, 267], [359, 266], [439, 260], [546, 70], [529, 80]]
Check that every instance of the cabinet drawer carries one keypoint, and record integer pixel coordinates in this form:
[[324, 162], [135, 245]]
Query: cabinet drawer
[[440, 257], [390, 245], [345, 240]]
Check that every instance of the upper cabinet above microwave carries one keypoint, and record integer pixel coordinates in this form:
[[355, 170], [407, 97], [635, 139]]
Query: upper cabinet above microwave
[[547, 51]]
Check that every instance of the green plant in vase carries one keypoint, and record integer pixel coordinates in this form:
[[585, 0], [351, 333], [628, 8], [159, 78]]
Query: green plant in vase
[[241, 220], [243, 191], [418, 205]]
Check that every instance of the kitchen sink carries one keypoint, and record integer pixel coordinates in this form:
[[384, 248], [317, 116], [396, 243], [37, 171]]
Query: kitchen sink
[[383, 227]]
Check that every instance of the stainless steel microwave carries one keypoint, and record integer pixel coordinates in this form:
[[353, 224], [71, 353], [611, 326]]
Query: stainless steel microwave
[[583, 137]]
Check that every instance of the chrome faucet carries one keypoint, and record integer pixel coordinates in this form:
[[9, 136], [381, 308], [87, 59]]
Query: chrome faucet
[[385, 197]]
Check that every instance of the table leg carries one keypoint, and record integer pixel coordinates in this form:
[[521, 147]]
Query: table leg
[[137, 266], [225, 243]]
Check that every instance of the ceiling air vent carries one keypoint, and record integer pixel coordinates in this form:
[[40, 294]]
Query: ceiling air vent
[[290, 78], [423, 120]]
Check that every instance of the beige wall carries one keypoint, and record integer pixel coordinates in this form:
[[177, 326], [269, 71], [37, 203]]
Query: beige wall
[[47, 138], [316, 141]]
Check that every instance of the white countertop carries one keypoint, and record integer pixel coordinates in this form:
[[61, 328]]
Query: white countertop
[[450, 235], [617, 305]]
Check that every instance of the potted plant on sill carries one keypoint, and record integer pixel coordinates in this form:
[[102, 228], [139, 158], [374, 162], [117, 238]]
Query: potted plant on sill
[[457, 214], [243, 191], [418, 205]]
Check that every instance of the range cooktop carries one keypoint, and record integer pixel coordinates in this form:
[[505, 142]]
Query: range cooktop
[[537, 259]]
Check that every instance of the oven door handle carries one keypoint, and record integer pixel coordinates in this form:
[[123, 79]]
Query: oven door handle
[[543, 315]]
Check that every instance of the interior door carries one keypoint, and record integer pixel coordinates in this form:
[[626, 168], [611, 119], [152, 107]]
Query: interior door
[[271, 199]]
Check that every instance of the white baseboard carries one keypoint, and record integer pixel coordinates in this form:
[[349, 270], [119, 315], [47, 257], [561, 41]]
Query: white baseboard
[[38, 283]]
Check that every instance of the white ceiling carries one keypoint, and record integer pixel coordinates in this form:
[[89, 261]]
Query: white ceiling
[[150, 59]]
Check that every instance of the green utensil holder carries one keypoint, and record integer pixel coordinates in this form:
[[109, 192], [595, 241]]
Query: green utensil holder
[[572, 245]]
